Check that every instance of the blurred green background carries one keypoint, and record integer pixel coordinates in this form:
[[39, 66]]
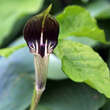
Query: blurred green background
[[17, 71]]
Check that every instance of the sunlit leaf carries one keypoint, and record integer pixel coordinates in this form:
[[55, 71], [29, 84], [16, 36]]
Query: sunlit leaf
[[81, 64], [8, 51], [76, 21]]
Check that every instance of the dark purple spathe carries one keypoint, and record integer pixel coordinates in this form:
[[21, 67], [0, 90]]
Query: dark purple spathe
[[33, 29]]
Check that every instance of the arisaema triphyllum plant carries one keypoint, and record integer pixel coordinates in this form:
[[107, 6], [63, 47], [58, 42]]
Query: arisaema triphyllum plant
[[41, 35]]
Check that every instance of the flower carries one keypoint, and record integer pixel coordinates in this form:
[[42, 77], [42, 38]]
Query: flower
[[41, 34]]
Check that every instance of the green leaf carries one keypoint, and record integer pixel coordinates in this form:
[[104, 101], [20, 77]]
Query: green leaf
[[81, 64], [8, 51], [67, 95], [76, 21], [100, 9], [13, 10], [16, 87]]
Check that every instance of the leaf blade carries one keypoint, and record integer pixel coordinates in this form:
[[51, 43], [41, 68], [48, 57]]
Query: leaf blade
[[81, 64], [76, 21], [8, 51]]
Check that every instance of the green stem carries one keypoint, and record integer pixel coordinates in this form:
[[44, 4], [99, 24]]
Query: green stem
[[41, 67], [35, 99], [33, 104]]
